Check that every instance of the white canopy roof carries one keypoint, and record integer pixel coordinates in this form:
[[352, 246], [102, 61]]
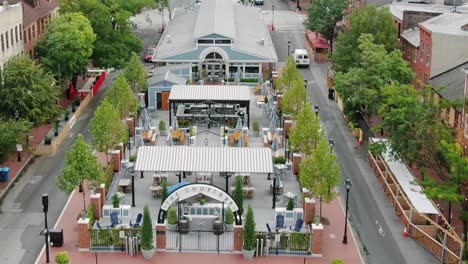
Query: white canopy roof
[[214, 93], [406, 180], [204, 159]]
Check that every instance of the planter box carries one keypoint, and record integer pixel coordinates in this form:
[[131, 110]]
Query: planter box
[[106, 211], [126, 211]]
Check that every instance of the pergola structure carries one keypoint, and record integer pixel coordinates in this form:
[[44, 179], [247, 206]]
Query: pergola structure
[[210, 95]]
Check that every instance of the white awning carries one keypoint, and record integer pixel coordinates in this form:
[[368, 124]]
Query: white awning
[[408, 183], [204, 159], [209, 93]]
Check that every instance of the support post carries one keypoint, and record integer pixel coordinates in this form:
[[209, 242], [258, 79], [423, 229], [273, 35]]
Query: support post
[[274, 193], [133, 190]]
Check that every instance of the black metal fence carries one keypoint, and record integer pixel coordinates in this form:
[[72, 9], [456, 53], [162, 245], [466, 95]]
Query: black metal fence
[[291, 243], [200, 240], [114, 239]]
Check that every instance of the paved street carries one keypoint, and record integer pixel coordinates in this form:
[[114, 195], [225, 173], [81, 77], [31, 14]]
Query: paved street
[[21, 216]]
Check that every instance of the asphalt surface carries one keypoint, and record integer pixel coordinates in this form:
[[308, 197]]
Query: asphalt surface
[[21, 216]]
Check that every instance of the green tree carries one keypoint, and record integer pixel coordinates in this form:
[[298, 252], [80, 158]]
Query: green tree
[[67, 46], [28, 92], [323, 16], [289, 76], [106, 127], [11, 133], [147, 239], [238, 195], [294, 99], [304, 135], [121, 97], [80, 165], [136, 74], [320, 172], [249, 230], [360, 86], [368, 20]]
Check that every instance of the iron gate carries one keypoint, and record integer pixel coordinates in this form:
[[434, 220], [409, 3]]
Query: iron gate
[[200, 241]]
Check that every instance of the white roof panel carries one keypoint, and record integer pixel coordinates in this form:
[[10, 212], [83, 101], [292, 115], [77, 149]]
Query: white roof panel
[[210, 93], [204, 159], [215, 17]]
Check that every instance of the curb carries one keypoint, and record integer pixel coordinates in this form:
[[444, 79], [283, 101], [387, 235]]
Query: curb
[[16, 178]]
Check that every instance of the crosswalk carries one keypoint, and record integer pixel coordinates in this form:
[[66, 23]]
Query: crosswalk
[[285, 21]]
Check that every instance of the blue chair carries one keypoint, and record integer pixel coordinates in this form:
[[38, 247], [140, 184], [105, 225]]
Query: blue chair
[[114, 219], [268, 227], [297, 226], [137, 221], [98, 225], [280, 222]]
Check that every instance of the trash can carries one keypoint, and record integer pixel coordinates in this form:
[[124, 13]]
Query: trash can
[[56, 237], [183, 226], [218, 227], [5, 174]]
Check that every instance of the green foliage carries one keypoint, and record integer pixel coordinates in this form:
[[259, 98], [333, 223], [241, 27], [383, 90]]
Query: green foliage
[[280, 160], [136, 74], [67, 45], [164, 190], [320, 172], [62, 257], [108, 176], [361, 85], [132, 158], [106, 127], [249, 230], [303, 136], [229, 217], [221, 74], [290, 205], [28, 91], [230, 79], [377, 148], [162, 125], [56, 125], [249, 80], [121, 97], [337, 261], [76, 102], [317, 219], [47, 140], [368, 20], [289, 75], [80, 165], [299, 241], [172, 216], [115, 200], [238, 195], [256, 126], [295, 99], [323, 16], [205, 73], [90, 215], [11, 133], [147, 241]]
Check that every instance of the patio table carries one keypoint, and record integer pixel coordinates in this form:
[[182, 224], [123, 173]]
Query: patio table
[[123, 184]]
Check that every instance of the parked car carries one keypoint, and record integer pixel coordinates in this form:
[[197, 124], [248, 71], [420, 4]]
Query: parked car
[[301, 57], [258, 2], [149, 52]]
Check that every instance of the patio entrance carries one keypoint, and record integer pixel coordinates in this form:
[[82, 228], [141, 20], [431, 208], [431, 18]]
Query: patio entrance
[[200, 241]]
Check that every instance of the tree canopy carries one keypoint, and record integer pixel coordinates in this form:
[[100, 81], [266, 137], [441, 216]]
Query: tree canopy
[[289, 75], [121, 97], [11, 133], [67, 45], [28, 92], [368, 20], [295, 99], [136, 74], [304, 135]]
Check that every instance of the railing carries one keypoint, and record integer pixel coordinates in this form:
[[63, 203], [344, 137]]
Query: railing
[[112, 239], [200, 240], [278, 243]]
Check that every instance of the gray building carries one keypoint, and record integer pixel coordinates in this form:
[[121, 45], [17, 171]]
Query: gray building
[[215, 35]]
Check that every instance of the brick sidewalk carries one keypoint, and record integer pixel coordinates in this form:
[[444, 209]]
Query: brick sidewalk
[[332, 245]]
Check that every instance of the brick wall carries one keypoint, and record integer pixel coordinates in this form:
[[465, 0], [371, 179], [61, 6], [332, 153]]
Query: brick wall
[[95, 200], [238, 241], [297, 158], [83, 234], [412, 18], [161, 237], [309, 210], [316, 241]]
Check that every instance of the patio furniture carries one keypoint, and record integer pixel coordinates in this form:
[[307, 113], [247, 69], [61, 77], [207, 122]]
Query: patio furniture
[[156, 191], [124, 184], [137, 221], [279, 186], [249, 191], [115, 219], [279, 222], [297, 226]]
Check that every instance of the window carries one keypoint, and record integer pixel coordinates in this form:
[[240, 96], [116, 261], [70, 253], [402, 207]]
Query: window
[[428, 55], [34, 31], [3, 43], [415, 55], [251, 69], [421, 57], [205, 41], [6, 40], [29, 34], [11, 37], [213, 55], [16, 34], [222, 41], [21, 31]]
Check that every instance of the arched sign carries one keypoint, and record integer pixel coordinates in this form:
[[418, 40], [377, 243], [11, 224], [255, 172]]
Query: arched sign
[[186, 191]]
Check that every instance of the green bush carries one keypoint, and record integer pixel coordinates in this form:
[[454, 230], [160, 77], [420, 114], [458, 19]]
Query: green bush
[[290, 205], [249, 80], [250, 236], [90, 215], [108, 176], [229, 217], [162, 125], [280, 160], [230, 79], [299, 241], [337, 261], [172, 216], [132, 158], [255, 126], [164, 190], [147, 241], [76, 102], [184, 122], [238, 195], [62, 257], [115, 201], [47, 140]]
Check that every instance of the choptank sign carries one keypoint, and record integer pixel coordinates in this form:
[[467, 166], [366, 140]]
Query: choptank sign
[[191, 190]]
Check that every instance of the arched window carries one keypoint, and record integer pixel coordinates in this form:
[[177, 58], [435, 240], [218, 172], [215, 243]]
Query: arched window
[[213, 55]]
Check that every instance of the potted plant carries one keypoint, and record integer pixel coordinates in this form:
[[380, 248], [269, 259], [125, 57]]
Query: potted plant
[[280, 160], [162, 128], [229, 222], [56, 127], [47, 140], [67, 113], [62, 257], [164, 190], [290, 205], [73, 108], [147, 240], [115, 201], [250, 237], [205, 73], [256, 129], [76, 102], [238, 195], [221, 74], [172, 218], [202, 201]]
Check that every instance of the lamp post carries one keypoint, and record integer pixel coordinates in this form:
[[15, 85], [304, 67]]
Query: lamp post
[[316, 109], [289, 47], [298, 6], [348, 185], [133, 189], [45, 209], [331, 142], [273, 18]]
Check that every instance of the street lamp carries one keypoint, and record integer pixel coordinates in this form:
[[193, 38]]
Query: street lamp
[[45, 208], [289, 47], [316, 109], [331, 142], [298, 6], [348, 185], [133, 189], [273, 18]]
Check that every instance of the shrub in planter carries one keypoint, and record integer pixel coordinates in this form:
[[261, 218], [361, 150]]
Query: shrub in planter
[[147, 240], [290, 205], [132, 158], [164, 190], [249, 234], [90, 215], [162, 128], [115, 201], [76, 102], [67, 114], [73, 108], [238, 195], [172, 218], [229, 219], [62, 257], [230, 79], [47, 140], [280, 160], [256, 128], [56, 127]]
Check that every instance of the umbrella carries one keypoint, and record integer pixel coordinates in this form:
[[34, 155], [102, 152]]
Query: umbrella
[[239, 124], [175, 125], [263, 91], [241, 143], [273, 114], [274, 145], [146, 119], [170, 140], [142, 102], [260, 78], [290, 195], [238, 75], [272, 126]]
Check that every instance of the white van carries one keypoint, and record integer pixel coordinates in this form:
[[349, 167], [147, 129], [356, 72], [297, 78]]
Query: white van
[[301, 57]]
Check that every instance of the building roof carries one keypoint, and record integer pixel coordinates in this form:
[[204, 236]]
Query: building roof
[[412, 35], [215, 17], [10, 5], [163, 69], [168, 76], [397, 9], [317, 40], [453, 80], [246, 28], [406, 180], [204, 159], [31, 12], [449, 23], [215, 93]]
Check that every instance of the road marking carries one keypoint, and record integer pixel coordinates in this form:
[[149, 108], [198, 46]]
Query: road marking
[[381, 231]]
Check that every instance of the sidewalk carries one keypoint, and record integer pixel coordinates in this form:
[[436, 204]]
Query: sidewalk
[[304, 4], [332, 245]]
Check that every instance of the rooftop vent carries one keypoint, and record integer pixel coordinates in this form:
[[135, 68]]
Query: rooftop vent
[[262, 42], [464, 27], [168, 39]]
